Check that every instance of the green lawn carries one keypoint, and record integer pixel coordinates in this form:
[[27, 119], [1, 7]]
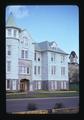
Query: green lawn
[[42, 94]]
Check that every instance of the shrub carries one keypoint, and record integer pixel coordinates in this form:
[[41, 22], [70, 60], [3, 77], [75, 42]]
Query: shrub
[[58, 105], [49, 111], [31, 106]]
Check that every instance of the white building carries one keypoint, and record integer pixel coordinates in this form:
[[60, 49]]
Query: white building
[[31, 66]]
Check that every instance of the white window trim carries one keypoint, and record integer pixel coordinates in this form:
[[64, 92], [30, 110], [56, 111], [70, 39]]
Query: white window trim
[[23, 70], [24, 54]]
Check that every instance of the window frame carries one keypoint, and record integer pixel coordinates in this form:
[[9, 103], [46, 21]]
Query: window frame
[[35, 56], [8, 66], [39, 68], [9, 31], [15, 33], [62, 71], [35, 67], [8, 50], [28, 70]]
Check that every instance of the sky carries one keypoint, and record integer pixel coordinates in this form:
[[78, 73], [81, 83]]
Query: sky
[[59, 23]]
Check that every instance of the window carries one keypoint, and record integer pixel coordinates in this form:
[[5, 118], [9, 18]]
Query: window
[[52, 87], [14, 85], [38, 59], [9, 32], [55, 84], [36, 85], [62, 58], [53, 56], [9, 50], [39, 85], [62, 70], [54, 69], [24, 70], [8, 66], [61, 85], [25, 40], [38, 69], [51, 69], [15, 33], [65, 85], [8, 84], [20, 69], [24, 54], [28, 70], [34, 56], [34, 69]]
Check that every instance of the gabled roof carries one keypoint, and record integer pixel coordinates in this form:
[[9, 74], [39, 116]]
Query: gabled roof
[[10, 21], [46, 46]]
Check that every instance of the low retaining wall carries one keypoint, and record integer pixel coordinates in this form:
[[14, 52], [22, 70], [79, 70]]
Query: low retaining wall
[[51, 111]]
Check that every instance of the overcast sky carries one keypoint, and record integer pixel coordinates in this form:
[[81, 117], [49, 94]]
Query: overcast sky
[[59, 23]]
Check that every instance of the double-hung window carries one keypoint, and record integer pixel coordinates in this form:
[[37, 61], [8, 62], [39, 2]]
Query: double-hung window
[[62, 70], [15, 33], [35, 70], [28, 70], [38, 69], [8, 66], [24, 54], [35, 56], [9, 50], [9, 31]]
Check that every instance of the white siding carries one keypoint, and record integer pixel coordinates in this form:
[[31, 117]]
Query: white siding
[[45, 66], [13, 58], [37, 63]]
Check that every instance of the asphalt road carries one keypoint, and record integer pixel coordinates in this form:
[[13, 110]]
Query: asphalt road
[[14, 105]]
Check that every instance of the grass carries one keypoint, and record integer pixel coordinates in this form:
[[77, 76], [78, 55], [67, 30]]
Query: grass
[[42, 94]]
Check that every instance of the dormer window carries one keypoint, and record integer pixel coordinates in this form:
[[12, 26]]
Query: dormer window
[[9, 31], [53, 45]]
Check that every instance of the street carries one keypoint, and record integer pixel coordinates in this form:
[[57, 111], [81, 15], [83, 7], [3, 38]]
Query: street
[[18, 105]]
